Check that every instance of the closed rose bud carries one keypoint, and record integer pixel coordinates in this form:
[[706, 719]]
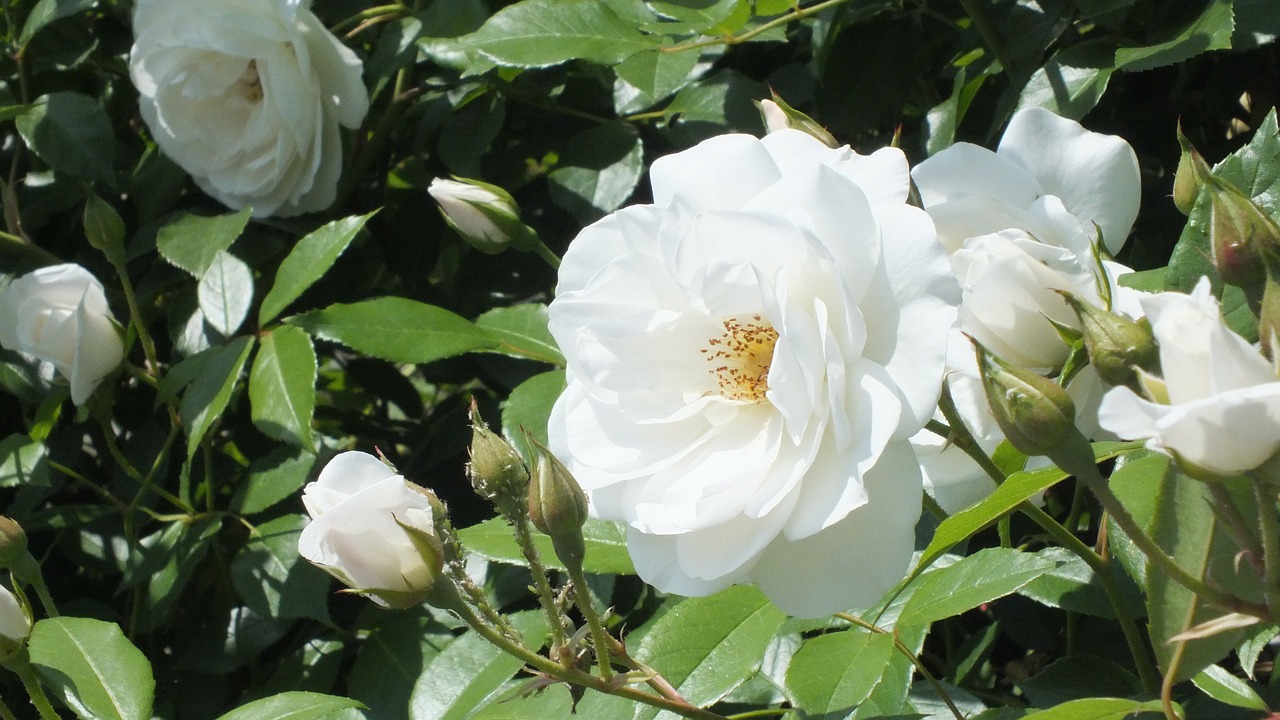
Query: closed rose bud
[[13, 543], [1190, 177], [557, 504], [485, 215], [1116, 344], [1242, 236], [59, 315], [15, 623], [778, 115], [373, 530], [1034, 412], [496, 470]]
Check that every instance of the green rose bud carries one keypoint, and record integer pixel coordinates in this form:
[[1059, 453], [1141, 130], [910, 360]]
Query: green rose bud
[[557, 504], [485, 215], [496, 470], [13, 543], [778, 115], [1190, 177], [1116, 344], [1035, 413]]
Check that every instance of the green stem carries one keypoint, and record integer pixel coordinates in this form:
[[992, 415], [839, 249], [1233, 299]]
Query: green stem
[[1237, 527], [1098, 485], [572, 675], [915, 660], [541, 250], [1271, 545], [587, 606], [5, 712], [397, 9], [766, 712], [1128, 626], [524, 538], [34, 690], [794, 15]]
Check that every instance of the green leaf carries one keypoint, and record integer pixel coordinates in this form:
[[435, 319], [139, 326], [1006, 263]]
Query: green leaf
[[522, 332], [469, 672], [1211, 31], [282, 386], [553, 702], [528, 407], [208, 394], [656, 74], [708, 646], [96, 671], [979, 578], [1078, 677], [73, 134], [273, 580], [1183, 525], [719, 17], [104, 229], [836, 672], [598, 171], [291, 706], [1074, 586], [225, 293], [166, 563], [46, 11], [397, 329], [193, 242], [1018, 488], [392, 658], [1226, 688], [272, 478], [539, 33], [23, 462], [606, 546], [1068, 91], [1099, 709], [307, 262]]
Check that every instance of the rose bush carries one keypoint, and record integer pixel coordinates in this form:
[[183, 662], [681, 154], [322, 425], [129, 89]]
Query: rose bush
[[59, 315], [358, 506], [746, 359], [247, 97], [1217, 406]]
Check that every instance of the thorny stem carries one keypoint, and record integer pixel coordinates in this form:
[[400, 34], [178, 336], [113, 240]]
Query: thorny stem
[[1271, 545], [794, 15], [29, 681], [915, 660], [524, 538], [652, 677], [587, 606], [572, 675]]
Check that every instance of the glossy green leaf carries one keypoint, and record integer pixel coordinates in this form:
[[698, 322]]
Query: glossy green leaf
[[93, 668], [272, 478], [282, 385], [522, 332], [1068, 91], [470, 672], [193, 242], [528, 407], [313, 667], [397, 329], [392, 657], [606, 546], [47, 11], [104, 229], [225, 293], [1185, 528], [1210, 31], [1074, 586], [273, 580], [978, 578], [1077, 677], [708, 646], [168, 559], [714, 16], [73, 134], [307, 262], [598, 171], [1226, 688], [23, 462], [209, 392], [553, 702], [656, 74], [291, 706], [539, 33], [834, 673], [1099, 709]]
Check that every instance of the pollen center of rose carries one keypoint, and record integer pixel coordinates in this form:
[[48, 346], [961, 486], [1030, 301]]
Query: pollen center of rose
[[739, 357], [250, 84]]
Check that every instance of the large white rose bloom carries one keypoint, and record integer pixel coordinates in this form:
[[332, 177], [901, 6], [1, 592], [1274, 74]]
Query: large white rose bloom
[[59, 315], [1019, 224], [247, 96], [1220, 410], [746, 360]]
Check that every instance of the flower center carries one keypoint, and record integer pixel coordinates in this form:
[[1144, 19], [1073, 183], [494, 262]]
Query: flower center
[[249, 84], [740, 357]]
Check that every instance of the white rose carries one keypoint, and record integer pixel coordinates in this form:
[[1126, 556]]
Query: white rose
[[1019, 223], [746, 360], [59, 315], [15, 624], [1218, 407], [247, 97], [357, 507], [484, 215]]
